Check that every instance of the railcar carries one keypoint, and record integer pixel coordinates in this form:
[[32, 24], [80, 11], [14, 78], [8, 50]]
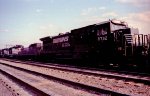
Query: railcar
[[103, 42], [5, 52], [14, 51], [57, 47], [94, 42], [30, 53], [108, 42]]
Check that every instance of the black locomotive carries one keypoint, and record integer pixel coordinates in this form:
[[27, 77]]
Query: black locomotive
[[104, 43]]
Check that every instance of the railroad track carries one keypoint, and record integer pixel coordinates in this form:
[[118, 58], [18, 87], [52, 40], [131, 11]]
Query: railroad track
[[9, 70], [112, 84], [81, 67], [127, 76], [33, 91]]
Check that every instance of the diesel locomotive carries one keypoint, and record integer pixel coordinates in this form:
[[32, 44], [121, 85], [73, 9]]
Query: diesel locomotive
[[106, 42]]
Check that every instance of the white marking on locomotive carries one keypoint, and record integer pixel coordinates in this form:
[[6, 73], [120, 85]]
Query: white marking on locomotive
[[65, 44], [102, 35], [61, 39]]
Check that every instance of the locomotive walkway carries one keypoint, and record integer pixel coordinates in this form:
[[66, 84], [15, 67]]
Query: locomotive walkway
[[111, 85]]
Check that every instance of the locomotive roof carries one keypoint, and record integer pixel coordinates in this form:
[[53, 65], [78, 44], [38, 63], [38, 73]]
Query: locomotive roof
[[34, 44], [16, 46], [50, 38], [93, 25], [109, 21], [45, 38], [104, 22], [5, 49], [61, 35], [83, 27], [115, 22]]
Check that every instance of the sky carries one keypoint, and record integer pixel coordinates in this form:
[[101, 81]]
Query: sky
[[26, 21]]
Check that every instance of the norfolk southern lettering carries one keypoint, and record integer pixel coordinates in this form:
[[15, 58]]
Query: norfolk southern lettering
[[60, 39]]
